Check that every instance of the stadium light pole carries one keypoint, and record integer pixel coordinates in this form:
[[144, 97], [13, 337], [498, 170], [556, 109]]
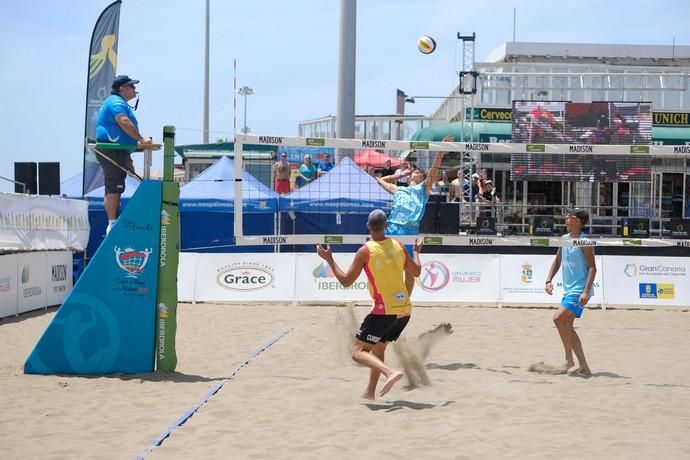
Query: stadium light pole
[[206, 71], [245, 91]]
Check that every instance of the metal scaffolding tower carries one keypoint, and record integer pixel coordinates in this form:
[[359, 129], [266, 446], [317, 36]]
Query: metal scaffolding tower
[[468, 160]]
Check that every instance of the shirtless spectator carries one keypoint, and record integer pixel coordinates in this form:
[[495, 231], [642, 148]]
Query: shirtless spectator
[[282, 175]]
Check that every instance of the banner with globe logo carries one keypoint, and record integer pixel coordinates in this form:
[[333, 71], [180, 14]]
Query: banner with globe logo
[[107, 324]]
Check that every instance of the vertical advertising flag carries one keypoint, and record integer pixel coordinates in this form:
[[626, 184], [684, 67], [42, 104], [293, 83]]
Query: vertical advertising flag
[[102, 67]]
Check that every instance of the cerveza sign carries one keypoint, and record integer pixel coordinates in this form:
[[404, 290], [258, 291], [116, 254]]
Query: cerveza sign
[[506, 115], [486, 114]]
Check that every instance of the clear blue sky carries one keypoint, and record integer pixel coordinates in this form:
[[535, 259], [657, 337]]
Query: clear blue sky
[[287, 51]]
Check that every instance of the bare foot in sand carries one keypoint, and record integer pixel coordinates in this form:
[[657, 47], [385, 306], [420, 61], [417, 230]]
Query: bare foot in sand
[[392, 379], [581, 372], [565, 366], [369, 396]]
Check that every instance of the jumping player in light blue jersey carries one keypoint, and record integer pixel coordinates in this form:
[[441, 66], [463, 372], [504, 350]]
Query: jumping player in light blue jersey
[[579, 270], [409, 201]]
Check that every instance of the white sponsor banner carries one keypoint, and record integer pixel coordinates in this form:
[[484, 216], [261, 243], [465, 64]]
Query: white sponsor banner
[[8, 285], [522, 280], [32, 281], [649, 281], [314, 280], [447, 278], [244, 277], [31, 222], [186, 276], [457, 278], [58, 266]]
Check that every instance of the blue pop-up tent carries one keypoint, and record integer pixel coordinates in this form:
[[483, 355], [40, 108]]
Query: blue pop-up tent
[[207, 210], [214, 191], [336, 203], [345, 189]]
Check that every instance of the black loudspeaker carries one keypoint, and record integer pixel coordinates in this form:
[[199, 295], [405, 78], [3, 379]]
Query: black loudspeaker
[[638, 227], [449, 219], [543, 225], [429, 222], [49, 178], [486, 225], [26, 174]]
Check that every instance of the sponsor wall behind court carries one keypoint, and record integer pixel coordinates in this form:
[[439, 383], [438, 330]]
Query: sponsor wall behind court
[[648, 280], [446, 278], [30, 281], [33, 280]]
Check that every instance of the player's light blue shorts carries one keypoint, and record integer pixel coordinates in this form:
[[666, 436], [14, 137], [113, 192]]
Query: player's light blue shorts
[[396, 229], [393, 229], [571, 302]]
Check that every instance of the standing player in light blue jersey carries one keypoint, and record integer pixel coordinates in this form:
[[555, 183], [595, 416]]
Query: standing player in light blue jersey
[[409, 201], [579, 270]]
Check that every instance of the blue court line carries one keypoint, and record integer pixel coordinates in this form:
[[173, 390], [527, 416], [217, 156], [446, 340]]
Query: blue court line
[[187, 415]]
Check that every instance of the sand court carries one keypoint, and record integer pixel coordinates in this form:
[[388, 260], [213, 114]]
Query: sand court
[[300, 398]]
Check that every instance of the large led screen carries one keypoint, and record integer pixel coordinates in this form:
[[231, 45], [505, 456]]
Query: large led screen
[[547, 122], [603, 123]]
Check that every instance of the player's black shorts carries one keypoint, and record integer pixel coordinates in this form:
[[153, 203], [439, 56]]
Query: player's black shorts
[[381, 328], [114, 177]]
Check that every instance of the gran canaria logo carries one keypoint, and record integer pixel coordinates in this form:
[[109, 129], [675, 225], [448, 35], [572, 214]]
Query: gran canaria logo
[[630, 270]]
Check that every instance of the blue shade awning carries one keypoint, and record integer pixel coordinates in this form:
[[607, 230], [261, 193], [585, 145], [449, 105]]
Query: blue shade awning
[[345, 188], [214, 191]]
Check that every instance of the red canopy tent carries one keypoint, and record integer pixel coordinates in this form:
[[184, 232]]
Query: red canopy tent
[[373, 158]]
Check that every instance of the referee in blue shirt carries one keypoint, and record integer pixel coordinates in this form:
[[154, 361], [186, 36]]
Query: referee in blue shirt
[[117, 124]]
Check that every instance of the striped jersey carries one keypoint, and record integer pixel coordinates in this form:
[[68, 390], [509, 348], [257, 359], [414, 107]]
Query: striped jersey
[[385, 269]]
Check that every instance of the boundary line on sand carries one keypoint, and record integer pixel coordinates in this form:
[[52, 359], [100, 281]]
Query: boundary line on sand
[[188, 414]]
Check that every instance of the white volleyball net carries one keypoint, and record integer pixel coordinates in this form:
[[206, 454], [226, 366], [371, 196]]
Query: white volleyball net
[[320, 190]]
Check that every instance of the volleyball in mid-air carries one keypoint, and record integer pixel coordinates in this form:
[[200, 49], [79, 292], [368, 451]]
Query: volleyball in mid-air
[[426, 44]]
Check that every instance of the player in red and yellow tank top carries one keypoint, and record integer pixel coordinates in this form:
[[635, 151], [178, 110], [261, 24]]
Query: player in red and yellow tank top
[[385, 268], [386, 263]]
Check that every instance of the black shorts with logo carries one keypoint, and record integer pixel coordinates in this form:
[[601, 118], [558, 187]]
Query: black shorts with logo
[[113, 176], [381, 328]]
